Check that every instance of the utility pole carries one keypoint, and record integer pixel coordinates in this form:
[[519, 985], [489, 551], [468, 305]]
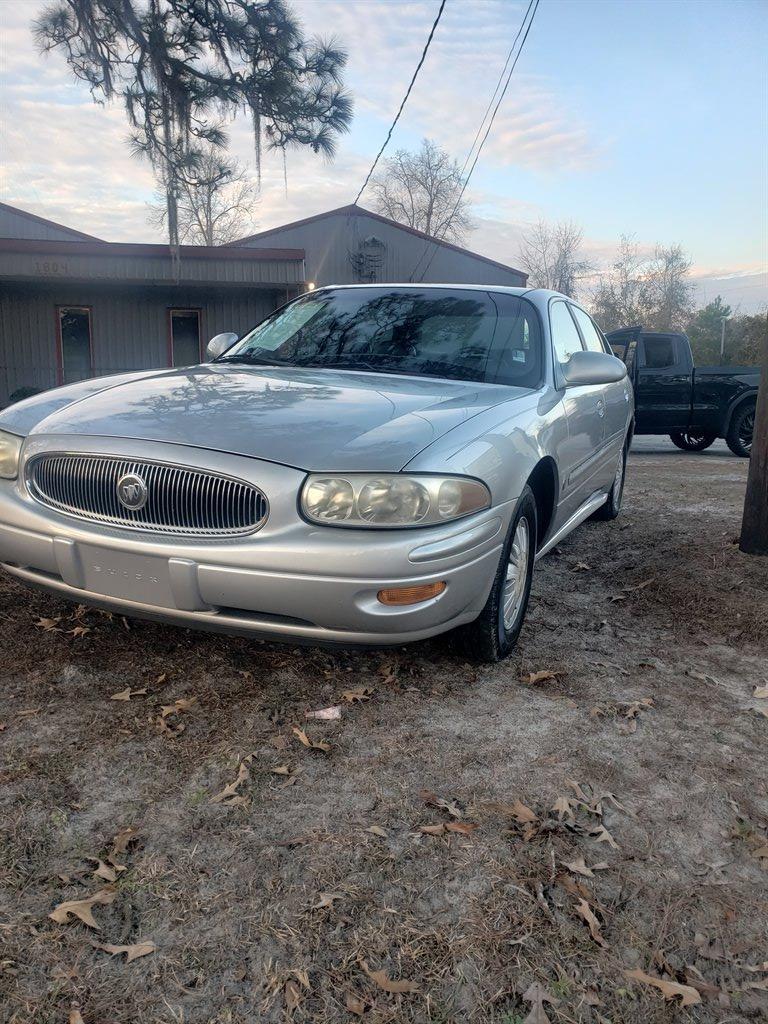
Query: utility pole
[[722, 336], [754, 525]]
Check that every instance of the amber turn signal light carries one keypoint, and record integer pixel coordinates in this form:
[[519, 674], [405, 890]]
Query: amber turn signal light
[[411, 595]]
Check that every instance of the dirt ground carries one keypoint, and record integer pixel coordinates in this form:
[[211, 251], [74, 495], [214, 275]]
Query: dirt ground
[[312, 891]]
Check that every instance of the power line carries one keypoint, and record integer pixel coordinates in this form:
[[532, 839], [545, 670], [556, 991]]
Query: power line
[[535, 5], [405, 100]]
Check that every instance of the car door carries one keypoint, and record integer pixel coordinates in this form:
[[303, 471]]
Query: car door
[[664, 384], [584, 406], [616, 397]]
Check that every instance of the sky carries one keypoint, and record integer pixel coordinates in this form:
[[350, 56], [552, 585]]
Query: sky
[[639, 117]]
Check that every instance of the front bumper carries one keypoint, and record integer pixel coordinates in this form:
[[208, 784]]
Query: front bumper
[[290, 580]]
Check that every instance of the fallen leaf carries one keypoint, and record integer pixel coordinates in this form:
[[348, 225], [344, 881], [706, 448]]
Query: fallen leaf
[[761, 986], [120, 845], [327, 899], [75, 1017], [464, 828], [106, 871], [432, 830], [584, 910], [542, 676], [82, 909], [537, 995], [524, 815], [170, 730], [757, 968], [280, 742], [79, 631], [433, 800], [563, 807], [385, 982], [229, 794], [312, 744], [670, 989], [293, 995], [325, 714], [182, 704], [354, 1004], [132, 952], [761, 692], [580, 794], [579, 867], [49, 625], [601, 835], [377, 830], [127, 693], [581, 567], [281, 769], [357, 696]]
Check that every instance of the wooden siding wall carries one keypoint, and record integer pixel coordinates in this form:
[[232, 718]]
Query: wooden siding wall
[[129, 326], [329, 241]]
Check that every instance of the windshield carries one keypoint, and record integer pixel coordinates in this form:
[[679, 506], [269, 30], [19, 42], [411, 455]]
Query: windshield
[[434, 332]]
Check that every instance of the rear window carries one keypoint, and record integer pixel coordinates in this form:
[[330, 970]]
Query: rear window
[[431, 332]]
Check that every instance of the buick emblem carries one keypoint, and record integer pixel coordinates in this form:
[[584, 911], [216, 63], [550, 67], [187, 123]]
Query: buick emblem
[[132, 492]]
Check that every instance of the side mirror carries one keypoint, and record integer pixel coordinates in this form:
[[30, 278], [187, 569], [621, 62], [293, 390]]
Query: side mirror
[[219, 343], [593, 368]]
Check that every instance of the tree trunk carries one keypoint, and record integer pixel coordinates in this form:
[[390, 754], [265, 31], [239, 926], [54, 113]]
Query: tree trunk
[[754, 525]]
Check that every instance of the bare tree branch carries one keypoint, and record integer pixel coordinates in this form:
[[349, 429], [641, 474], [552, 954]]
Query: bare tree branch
[[215, 202], [420, 189], [551, 254]]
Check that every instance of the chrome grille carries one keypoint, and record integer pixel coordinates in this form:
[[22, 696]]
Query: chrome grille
[[179, 500]]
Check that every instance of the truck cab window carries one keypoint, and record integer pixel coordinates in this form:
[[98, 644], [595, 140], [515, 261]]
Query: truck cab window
[[657, 353]]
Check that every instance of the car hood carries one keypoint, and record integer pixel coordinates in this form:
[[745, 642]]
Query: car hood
[[308, 418]]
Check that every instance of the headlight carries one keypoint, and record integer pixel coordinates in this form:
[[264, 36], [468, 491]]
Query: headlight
[[390, 499], [10, 449]]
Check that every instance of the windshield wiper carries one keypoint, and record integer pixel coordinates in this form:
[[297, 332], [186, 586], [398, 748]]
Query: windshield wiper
[[250, 360]]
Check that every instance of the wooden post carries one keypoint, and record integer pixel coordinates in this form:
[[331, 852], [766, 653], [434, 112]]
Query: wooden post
[[754, 525]]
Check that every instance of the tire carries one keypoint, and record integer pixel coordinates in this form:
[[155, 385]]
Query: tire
[[493, 634], [740, 430], [612, 507], [692, 440]]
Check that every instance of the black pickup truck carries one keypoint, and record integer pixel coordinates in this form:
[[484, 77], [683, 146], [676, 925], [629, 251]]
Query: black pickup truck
[[694, 405]]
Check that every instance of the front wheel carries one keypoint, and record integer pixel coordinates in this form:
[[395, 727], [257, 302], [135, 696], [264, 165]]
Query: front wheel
[[692, 440], [740, 431], [494, 632]]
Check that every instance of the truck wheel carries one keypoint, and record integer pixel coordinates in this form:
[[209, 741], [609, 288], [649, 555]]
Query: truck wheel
[[612, 507], [692, 440], [740, 431], [494, 632]]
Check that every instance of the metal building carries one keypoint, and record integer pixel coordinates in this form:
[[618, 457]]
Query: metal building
[[75, 306], [352, 245]]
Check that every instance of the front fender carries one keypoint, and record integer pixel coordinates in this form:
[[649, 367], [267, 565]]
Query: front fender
[[502, 446]]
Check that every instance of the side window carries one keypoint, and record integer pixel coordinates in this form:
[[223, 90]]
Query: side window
[[589, 332], [658, 353], [74, 323], [565, 337]]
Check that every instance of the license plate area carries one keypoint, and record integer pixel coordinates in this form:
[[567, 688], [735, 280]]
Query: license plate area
[[141, 578]]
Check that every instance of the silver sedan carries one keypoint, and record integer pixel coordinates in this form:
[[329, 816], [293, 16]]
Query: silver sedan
[[370, 465]]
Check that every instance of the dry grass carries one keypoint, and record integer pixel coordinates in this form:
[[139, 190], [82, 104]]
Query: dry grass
[[230, 894]]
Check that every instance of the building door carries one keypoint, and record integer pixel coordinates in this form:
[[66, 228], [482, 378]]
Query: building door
[[184, 340], [73, 337]]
